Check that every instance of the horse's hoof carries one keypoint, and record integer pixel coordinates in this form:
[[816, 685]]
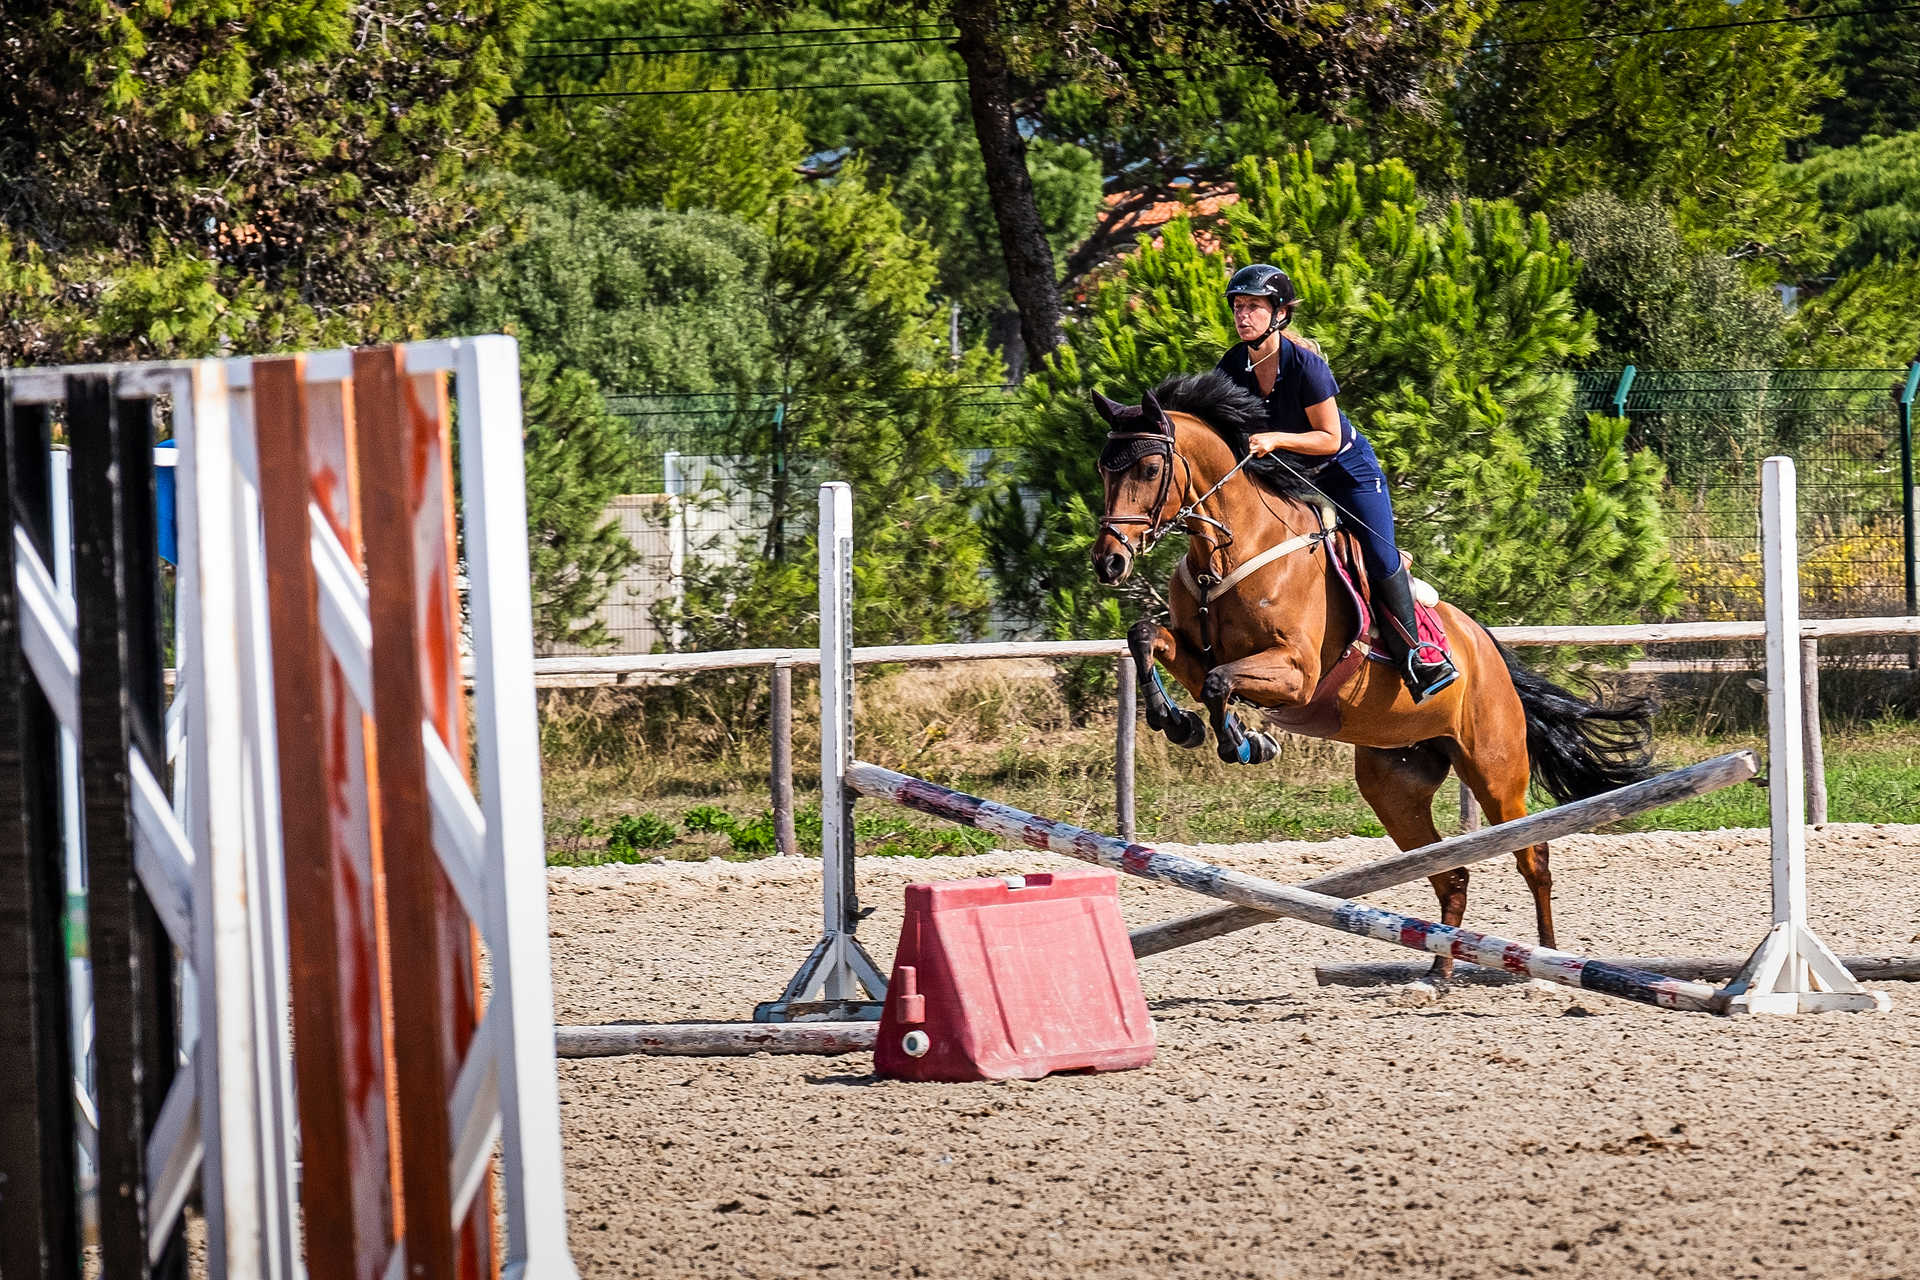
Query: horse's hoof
[[1187, 730], [1253, 748]]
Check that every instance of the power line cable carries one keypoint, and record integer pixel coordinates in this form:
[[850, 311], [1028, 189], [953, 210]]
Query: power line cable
[[771, 394], [757, 88], [734, 35], [1491, 44], [745, 48]]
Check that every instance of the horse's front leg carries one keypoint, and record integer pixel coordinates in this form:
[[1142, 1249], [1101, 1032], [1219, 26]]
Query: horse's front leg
[[1150, 643], [1271, 678]]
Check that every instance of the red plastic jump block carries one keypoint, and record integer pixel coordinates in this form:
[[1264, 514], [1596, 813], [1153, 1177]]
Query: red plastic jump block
[[1013, 977]]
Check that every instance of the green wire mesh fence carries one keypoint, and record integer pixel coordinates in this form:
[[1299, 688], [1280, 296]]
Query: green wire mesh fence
[[1843, 427]]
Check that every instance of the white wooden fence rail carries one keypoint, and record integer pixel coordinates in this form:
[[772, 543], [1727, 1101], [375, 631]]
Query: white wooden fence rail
[[645, 667]]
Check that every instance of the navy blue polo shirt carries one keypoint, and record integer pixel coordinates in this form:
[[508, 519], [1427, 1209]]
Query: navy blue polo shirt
[[1303, 379]]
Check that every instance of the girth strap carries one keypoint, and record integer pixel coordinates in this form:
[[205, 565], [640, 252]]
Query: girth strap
[[1261, 561], [1228, 583]]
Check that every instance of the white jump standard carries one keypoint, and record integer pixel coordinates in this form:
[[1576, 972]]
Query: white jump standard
[[838, 967], [1792, 971]]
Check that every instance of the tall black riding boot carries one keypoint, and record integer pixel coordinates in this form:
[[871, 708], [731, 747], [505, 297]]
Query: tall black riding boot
[[1425, 668]]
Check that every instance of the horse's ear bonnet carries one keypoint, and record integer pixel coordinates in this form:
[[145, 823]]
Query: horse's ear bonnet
[[1139, 423], [1124, 417], [1124, 455]]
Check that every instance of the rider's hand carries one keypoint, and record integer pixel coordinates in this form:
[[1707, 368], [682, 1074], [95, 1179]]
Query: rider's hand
[[1263, 443]]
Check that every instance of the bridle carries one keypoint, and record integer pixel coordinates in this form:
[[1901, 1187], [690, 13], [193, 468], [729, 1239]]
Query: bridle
[[1128, 449]]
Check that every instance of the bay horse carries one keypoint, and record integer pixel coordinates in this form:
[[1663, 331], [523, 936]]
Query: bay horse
[[1260, 614]]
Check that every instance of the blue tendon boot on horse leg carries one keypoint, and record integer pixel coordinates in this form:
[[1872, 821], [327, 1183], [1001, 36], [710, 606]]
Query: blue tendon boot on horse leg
[[1236, 745], [1183, 728]]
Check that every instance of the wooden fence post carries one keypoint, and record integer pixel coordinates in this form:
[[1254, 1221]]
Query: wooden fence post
[[1810, 732], [782, 771]]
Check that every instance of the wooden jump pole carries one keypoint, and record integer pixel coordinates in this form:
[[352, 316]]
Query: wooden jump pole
[[1471, 847], [1274, 899], [714, 1039], [1875, 968]]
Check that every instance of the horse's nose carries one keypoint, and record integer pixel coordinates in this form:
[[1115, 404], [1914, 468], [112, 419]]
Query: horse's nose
[[1111, 567]]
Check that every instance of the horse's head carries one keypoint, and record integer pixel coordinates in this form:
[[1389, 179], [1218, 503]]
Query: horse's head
[[1136, 467], [1195, 424]]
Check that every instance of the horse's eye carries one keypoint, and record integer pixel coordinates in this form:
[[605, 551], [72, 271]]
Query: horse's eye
[[1150, 468]]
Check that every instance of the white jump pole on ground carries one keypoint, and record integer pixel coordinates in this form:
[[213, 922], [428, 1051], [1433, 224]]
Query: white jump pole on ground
[[1792, 971], [838, 966]]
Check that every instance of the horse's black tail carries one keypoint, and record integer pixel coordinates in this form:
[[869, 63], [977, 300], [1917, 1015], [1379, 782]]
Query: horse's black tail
[[1579, 748]]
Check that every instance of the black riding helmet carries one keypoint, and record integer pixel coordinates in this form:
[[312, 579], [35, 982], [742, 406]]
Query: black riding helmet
[[1260, 280]]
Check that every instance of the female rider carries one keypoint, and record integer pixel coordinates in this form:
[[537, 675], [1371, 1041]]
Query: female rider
[[1290, 375]]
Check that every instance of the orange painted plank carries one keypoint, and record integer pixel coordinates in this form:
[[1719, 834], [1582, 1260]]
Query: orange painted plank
[[334, 471], [340, 1060], [443, 691], [406, 504]]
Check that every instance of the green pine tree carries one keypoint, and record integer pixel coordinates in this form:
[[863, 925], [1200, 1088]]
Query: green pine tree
[[252, 174], [1874, 189], [1869, 318], [602, 299], [1658, 303], [858, 340], [900, 115], [1863, 309], [1876, 57], [636, 298], [668, 145], [579, 458], [832, 302], [1698, 121]]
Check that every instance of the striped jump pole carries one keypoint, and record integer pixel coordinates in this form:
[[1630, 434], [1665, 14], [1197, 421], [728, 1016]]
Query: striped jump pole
[[1469, 847], [1278, 899]]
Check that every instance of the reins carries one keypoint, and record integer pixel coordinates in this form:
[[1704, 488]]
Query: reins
[[1192, 510]]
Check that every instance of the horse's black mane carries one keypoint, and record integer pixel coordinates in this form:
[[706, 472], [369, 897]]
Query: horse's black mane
[[1212, 397], [1234, 413]]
